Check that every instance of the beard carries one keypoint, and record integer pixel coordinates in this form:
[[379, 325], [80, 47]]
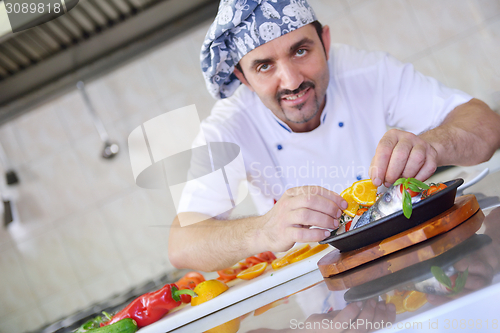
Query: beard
[[304, 117]]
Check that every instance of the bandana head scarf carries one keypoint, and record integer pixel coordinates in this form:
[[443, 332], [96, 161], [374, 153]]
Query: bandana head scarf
[[239, 27]]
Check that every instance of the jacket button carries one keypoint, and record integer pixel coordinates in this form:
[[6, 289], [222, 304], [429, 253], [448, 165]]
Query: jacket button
[[341, 124], [279, 147]]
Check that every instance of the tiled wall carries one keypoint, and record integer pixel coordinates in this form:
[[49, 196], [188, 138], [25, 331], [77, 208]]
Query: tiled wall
[[86, 231]]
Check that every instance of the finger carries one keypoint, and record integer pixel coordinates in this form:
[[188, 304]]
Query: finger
[[317, 203], [475, 267], [304, 235], [475, 282], [380, 162], [308, 217], [437, 300], [429, 166], [308, 191], [380, 317], [415, 162], [398, 161], [344, 318], [365, 317], [391, 313]]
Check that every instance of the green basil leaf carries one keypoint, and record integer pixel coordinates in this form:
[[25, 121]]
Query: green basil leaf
[[399, 181], [414, 188], [419, 183], [440, 275], [460, 282], [407, 207]]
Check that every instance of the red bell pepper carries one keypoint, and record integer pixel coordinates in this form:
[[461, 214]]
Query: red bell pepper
[[150, 307]]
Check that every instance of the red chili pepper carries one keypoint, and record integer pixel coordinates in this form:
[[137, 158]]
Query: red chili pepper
[[151, 307]]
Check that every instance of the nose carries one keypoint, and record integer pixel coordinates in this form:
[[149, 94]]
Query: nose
[[290, 76]]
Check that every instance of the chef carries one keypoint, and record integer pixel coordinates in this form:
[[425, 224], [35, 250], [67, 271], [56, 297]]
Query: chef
[[311, 118]]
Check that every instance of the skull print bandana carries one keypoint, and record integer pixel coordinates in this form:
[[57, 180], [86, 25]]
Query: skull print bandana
[[239, 27]]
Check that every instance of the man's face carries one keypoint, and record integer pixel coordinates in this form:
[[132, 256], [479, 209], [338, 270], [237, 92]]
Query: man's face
[[290, 76]]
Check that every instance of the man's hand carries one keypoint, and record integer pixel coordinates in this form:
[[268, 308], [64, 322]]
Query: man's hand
[[402, 154], [214, 244], [299, 208], [468, 135]]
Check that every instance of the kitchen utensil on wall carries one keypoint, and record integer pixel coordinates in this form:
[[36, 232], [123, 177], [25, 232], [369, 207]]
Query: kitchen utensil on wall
[[110, 148], [7, 193]]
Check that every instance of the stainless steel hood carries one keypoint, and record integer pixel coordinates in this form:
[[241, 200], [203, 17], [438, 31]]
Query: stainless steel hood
[[91, 39]]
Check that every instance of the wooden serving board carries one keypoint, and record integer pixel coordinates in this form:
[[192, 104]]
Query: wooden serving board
[[406, 257], [336, 262]]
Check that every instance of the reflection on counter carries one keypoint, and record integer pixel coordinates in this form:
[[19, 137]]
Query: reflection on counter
[[390, 291]]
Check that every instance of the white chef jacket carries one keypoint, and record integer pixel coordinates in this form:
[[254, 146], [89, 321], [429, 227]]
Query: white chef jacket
[[368, 92]]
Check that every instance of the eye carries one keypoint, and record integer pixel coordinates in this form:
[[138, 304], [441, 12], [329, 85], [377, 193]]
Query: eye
[[301, 52], [263, 68]]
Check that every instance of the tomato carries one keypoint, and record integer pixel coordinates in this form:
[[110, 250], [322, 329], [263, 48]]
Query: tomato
[[189, 281], [267, 256], [412, 193], [253, 260], [348, 225], [361, 211], [228, 273], [434, 189]]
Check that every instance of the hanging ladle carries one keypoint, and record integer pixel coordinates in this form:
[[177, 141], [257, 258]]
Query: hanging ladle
[[110, 148]]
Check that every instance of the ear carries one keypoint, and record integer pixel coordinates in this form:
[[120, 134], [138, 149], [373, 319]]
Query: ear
[[242, 78], [326, 40]]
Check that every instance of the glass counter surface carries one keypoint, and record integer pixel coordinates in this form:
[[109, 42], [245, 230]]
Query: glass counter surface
[[360, 300]]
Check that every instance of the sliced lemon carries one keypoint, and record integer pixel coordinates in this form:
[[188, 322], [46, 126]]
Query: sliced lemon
[[352, 205], [397, 300], [364, 192], [290, 255], [414, 300], [208, 290], [253, 271], [317, 249]]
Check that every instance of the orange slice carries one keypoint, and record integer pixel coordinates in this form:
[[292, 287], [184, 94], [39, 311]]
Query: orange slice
[[208, 290], [414, 300], [290, 255], [317, 249], [364, 192], [353, 206], [397, 300], [253, 271]]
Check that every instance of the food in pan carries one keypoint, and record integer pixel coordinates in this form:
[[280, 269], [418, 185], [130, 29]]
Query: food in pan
[[365, 206]]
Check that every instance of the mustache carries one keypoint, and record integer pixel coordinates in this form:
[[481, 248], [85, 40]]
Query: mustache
[[303, 86]]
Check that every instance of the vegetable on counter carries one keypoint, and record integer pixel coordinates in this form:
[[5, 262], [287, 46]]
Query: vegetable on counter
[[150, 307], [208, 290], [126, 325], [231, 273], [290, 255], [189, 281], [253, 272]]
